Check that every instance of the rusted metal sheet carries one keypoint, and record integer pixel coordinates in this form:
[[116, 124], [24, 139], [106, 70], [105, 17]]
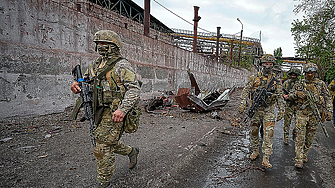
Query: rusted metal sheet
[[192, 99]]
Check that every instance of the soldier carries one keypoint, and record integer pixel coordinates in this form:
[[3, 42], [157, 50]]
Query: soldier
[[117, 92], [331, 88], [264, 115], [290, 107], [306, 122]]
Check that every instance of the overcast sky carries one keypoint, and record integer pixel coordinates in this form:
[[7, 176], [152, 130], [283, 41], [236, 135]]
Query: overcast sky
[[272, 17]]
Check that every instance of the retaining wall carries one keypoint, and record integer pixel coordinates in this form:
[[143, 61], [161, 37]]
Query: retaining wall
[[42, 40]]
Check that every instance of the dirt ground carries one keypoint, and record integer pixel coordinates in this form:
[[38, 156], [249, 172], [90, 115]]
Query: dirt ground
[[177, 149]]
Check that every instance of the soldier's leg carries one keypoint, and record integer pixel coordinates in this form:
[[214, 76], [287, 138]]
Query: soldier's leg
[[267, 143], [300, 128], [254, 140], [311, 128], [105, 162], [334, 113], [287, 123], [131, 152]]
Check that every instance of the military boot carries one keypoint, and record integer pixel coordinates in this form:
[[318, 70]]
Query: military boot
[[254, 155], [285, 141], [304, 159], [102, 185], [266, 162], [298, 164], [133, 157]]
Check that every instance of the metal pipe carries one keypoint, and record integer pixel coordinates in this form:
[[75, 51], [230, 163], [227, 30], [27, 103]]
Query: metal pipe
[[146, 17], [195, 32]]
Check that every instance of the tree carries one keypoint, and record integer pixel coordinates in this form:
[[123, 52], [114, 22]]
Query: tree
[[314, 36], [278, 53]]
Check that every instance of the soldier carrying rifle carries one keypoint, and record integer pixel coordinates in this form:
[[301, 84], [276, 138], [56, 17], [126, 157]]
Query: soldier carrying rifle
[[290, 106], [115, 98], [264, 91], [313, 107]]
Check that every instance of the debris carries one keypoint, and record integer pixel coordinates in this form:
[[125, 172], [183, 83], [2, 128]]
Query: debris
[[6, 139], [202, 144], [54, 130], [198, 101], [42, 156], [47, 136], [26, 147], [230, 133], [214, 115], [160, 104]]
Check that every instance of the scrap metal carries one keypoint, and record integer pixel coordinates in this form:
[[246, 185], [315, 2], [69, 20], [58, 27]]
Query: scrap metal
[[194, 100]]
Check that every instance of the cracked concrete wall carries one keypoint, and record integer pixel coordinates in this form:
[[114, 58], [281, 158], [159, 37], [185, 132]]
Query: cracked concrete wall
[[42, 40]]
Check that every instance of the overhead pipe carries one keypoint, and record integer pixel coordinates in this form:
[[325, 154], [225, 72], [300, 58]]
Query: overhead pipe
[[196, 20]]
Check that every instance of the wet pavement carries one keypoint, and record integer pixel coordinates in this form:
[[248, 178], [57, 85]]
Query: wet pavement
[[177, 149], [283, 174]]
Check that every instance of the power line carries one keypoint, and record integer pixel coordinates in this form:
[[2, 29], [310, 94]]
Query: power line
[[180, 16]]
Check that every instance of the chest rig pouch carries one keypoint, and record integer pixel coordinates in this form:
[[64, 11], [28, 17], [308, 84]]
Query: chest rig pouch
[[109, 89]]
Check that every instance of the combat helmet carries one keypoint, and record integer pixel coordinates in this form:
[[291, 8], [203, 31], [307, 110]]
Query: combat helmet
[[107, 36], [268, 58], [295, 71], [310, 67]]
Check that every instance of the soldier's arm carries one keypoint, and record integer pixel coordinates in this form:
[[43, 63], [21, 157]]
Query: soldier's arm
[[326, 96], [127, 75], [279, 99], [247, 90]]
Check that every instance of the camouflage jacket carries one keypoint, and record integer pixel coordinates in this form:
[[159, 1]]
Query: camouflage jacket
[[123, 95], [288, 85], [317, 87], [332, 92], [260, 81]]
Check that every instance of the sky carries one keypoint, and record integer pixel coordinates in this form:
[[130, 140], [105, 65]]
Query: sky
[[271, 18]]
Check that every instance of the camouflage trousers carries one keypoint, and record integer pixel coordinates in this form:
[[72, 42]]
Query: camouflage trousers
[[107, 137], [289, 113], [306, 126], [266, 117]]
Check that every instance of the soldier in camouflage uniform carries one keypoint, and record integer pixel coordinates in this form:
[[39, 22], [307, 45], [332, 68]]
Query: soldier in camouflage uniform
[[331, 88], [306, 123], [290, 107], [264, 115], [117, 92]]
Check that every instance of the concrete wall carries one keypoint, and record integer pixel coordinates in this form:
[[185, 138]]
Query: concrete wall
[[42, 40]]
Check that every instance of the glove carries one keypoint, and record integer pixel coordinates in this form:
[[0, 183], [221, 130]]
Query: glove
[[329, 116], [280, 115], [242, 107], [301, 94]]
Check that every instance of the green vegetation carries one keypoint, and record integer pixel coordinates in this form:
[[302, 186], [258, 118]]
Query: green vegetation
[[315, 35]]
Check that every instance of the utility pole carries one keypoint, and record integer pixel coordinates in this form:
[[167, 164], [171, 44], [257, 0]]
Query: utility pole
[[239, 55], [218, 35]]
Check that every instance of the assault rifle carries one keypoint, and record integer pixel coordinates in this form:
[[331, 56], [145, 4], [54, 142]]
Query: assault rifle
[[312, 103], [86, 97], [291, 103], [259, 98]]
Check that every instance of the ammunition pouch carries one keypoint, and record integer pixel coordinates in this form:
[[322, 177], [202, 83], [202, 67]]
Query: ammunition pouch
[[132, 119]]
